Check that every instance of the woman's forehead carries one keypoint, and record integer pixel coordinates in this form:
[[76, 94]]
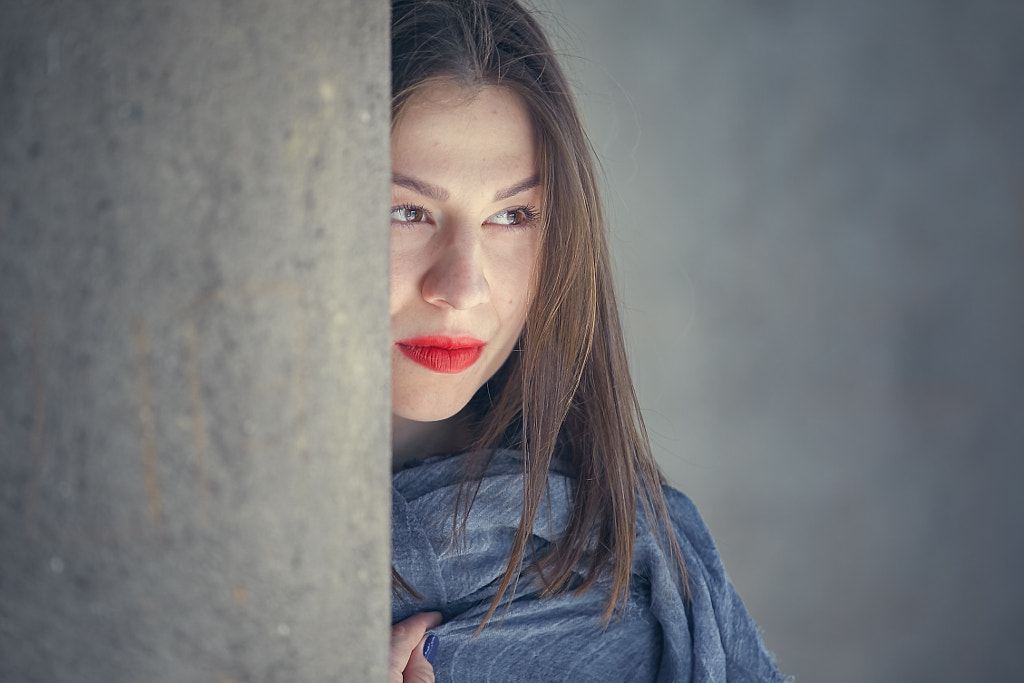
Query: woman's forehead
[[449, 132]]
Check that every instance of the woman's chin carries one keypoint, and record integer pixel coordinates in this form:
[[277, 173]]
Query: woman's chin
[[425, 411]]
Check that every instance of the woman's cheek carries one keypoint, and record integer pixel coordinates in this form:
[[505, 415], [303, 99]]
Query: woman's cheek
[[403, 278]]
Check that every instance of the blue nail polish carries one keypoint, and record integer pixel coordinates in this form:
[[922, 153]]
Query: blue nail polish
[[430, 647]]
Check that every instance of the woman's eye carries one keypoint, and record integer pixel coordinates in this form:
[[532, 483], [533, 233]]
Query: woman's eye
[[408, 214], [520, 216]]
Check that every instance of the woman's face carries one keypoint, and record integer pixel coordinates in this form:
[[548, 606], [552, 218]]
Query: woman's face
[[465, 207]]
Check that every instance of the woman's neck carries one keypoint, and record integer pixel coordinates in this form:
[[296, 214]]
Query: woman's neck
[[411, 440]]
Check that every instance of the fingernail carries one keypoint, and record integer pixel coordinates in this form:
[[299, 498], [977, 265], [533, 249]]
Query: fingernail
[[430, 647]]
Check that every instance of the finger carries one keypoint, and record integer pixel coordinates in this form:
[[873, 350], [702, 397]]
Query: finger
[[406, 637], [419, 668]]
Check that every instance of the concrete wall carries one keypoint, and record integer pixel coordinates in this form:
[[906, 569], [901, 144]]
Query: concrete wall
[[194, 440], [819, 219]]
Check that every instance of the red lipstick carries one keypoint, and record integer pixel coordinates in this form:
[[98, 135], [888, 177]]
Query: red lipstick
[[449, 355]]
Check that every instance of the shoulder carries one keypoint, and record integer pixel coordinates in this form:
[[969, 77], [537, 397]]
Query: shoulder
[[704, 565], [688, 525], [724, 635]]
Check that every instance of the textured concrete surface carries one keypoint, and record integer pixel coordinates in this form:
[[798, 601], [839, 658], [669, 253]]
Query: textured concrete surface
[[819, 218], [194, 446]]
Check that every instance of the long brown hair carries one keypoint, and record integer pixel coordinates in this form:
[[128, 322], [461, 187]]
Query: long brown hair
[[566, 391]]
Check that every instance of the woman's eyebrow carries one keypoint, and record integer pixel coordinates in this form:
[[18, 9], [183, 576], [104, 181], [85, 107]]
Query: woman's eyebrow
[[438, 194], [528, 184]]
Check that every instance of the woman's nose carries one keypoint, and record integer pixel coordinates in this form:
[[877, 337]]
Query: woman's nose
[[456, 278]]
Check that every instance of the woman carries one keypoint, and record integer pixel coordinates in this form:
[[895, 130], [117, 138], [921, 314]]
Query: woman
[[532, 534]]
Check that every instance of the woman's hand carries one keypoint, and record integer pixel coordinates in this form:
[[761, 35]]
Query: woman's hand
[[408, 665]]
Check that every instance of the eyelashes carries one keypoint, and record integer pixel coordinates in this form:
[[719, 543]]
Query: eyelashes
[[408, 213], [524, 216], [513, 218]]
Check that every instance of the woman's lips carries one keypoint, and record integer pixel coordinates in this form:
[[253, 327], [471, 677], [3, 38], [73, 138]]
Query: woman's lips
[[449, 355]]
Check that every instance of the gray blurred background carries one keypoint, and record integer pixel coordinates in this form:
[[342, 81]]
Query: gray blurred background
[[818, 217]]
